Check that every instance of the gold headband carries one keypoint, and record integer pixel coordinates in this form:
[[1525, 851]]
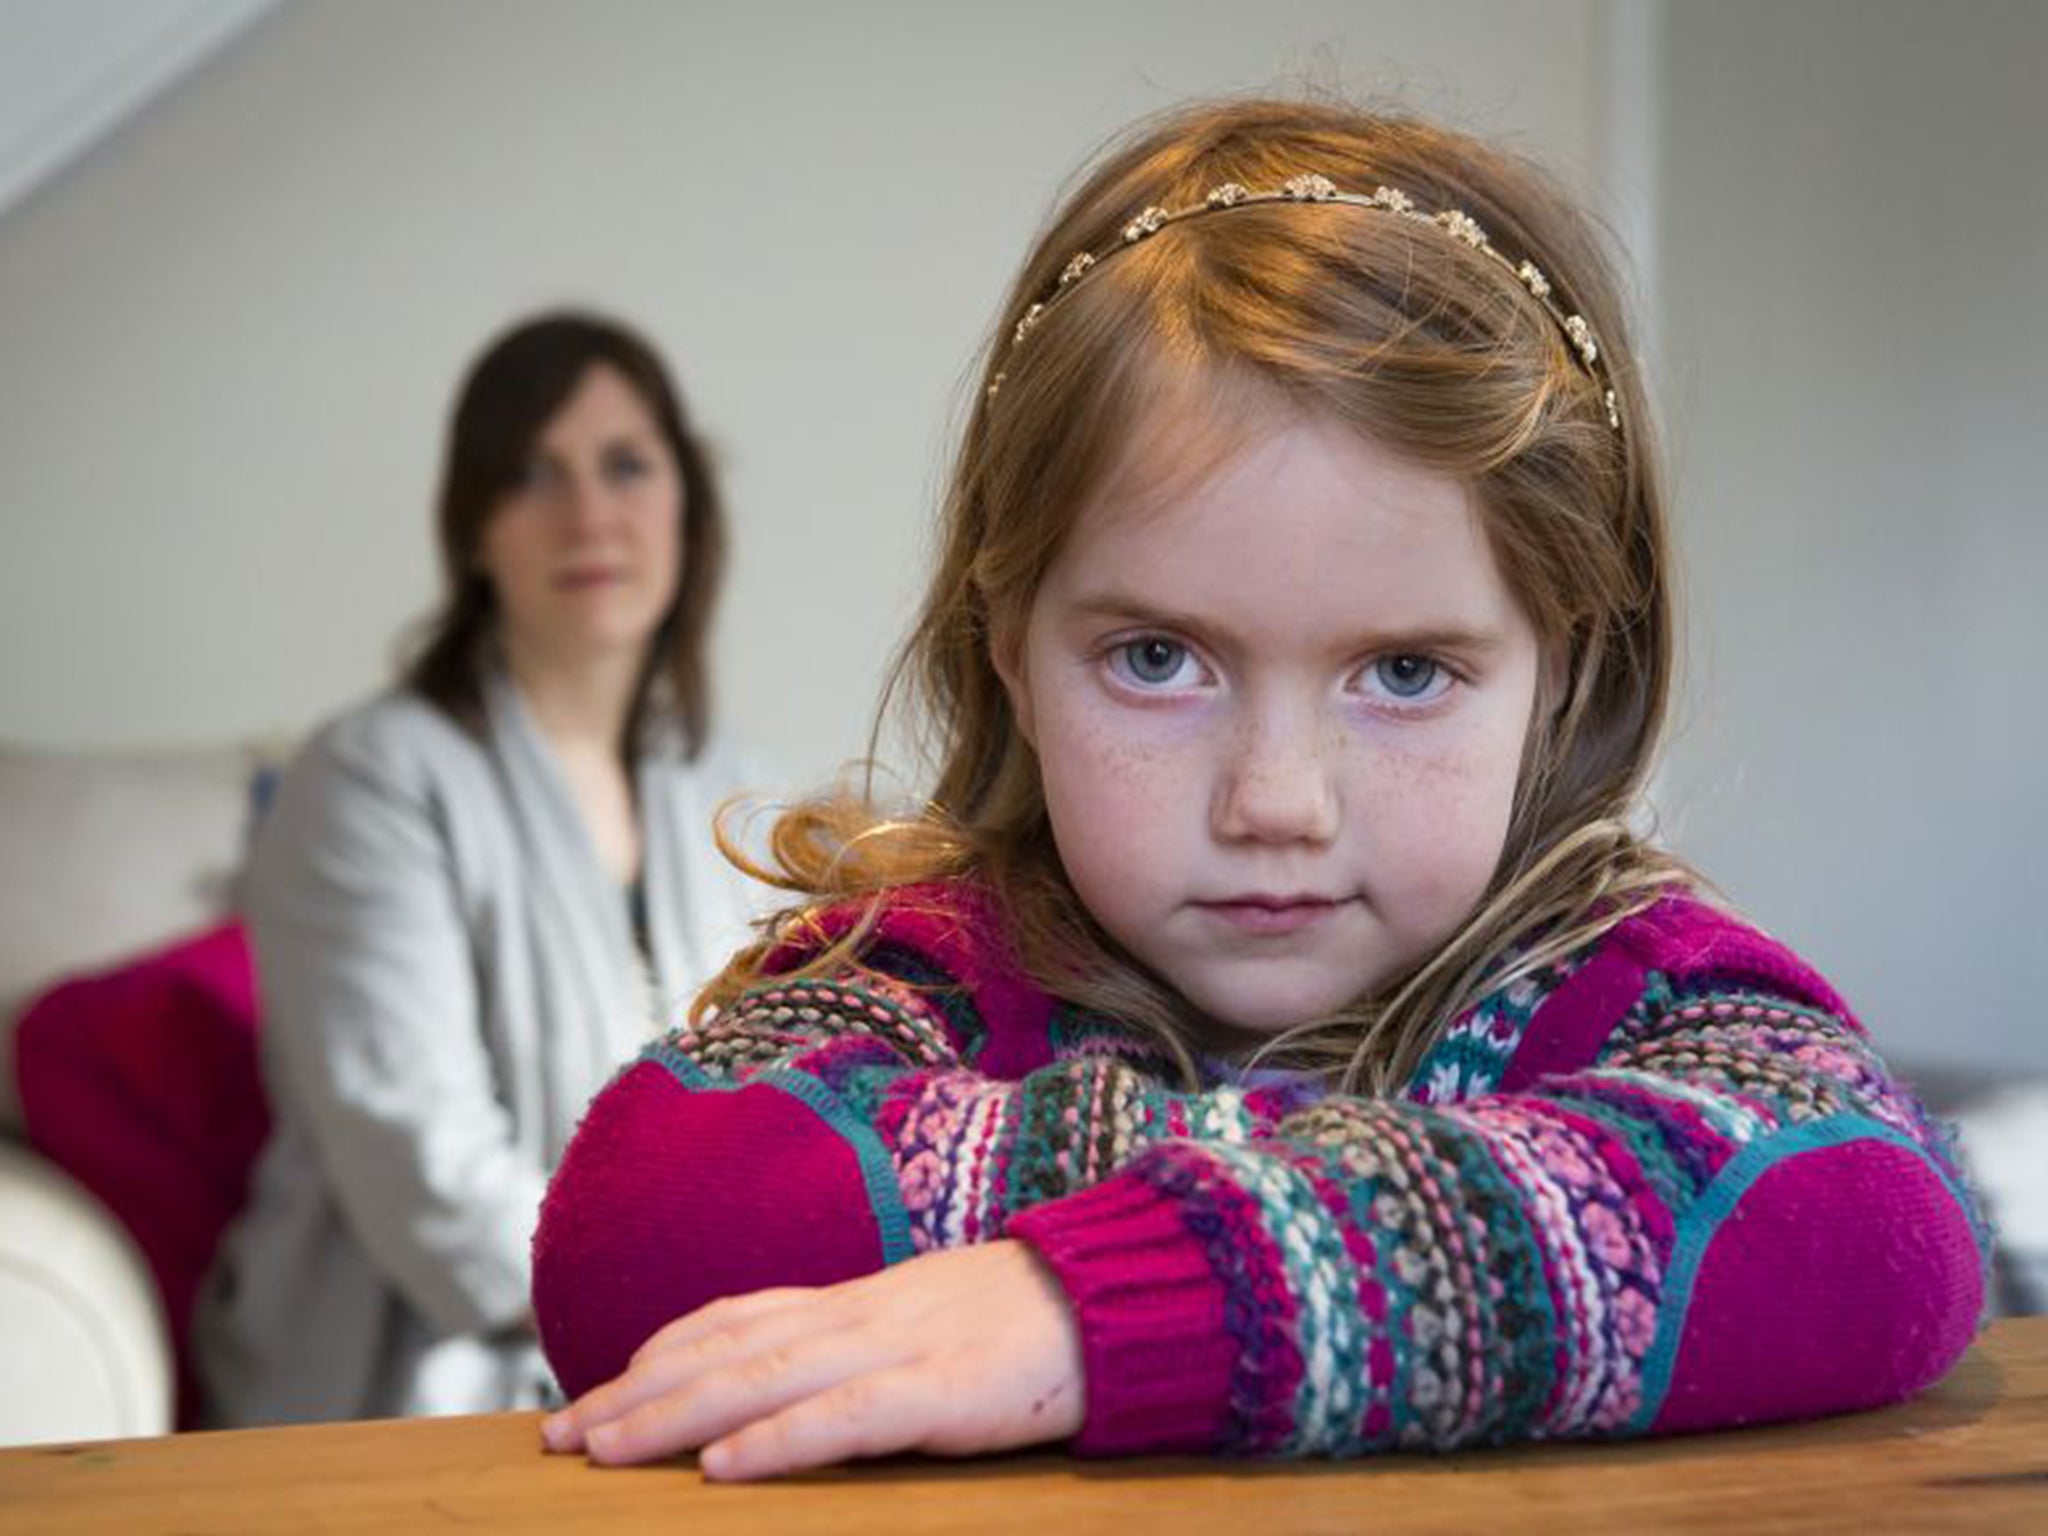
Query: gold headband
[[1320, 189]]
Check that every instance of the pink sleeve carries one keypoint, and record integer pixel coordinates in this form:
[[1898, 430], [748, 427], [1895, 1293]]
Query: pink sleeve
[[676, 1193]]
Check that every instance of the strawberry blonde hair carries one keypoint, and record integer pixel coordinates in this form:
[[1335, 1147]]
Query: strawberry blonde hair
[[1396, 330]]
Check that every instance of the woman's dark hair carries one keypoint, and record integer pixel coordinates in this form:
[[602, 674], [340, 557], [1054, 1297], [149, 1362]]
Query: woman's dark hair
[[512, 391]]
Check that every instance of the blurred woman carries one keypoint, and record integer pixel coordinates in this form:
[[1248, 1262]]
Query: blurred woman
[[473, 897]]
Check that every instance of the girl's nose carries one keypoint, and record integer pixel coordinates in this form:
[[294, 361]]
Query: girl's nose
[[1279, 786]]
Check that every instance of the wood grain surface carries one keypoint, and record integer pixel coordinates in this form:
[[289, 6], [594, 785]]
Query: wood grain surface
[[1970, 1455]]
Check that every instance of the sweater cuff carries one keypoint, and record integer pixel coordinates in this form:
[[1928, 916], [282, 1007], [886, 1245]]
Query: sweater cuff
[[1155, 1350]]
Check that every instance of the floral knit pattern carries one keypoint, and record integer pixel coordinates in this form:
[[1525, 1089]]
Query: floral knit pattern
[[968, 1150], [1469, 1057], [1609, 1247]]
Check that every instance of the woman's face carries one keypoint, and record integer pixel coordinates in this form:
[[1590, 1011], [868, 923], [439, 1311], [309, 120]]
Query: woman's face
[[584, 551]]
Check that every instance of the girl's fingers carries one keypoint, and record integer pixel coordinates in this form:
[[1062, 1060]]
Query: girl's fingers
[[955, 1352], [686, 1349], [874, 1414], [720, 1316], [741, 1390]]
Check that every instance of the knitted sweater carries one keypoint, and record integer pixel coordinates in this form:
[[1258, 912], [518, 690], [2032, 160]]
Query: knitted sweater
[[1664, 1185]]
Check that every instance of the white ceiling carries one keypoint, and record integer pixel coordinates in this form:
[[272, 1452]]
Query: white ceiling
[[73, 71]]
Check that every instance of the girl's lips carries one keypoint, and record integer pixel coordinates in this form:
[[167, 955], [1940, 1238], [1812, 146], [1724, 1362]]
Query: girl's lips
[[1271, 914]]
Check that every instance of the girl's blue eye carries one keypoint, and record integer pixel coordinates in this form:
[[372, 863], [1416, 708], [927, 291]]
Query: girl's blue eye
[[1153, 661], [1408, 676]]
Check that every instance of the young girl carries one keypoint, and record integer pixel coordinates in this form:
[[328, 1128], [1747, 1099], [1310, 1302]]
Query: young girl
[[1271, 1038]]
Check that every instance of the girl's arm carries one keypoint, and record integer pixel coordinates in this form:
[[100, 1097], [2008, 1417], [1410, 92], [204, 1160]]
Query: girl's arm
[[818, 1131], [1732, 1215]]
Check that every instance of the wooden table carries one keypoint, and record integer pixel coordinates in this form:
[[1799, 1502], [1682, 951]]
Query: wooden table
[[1970, 1455]]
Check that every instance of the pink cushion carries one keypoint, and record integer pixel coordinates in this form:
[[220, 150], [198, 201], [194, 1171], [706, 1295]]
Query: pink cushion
[[142, 1083]]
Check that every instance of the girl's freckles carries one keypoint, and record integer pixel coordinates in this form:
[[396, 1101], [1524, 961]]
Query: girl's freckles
[[1437, 767], [1120, 755]]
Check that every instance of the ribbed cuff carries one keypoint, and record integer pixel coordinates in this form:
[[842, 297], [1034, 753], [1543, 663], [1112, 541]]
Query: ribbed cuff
[[1156, 1354]]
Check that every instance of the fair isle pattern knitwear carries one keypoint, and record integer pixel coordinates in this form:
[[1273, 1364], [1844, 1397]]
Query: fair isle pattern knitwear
[[1665, 1185]]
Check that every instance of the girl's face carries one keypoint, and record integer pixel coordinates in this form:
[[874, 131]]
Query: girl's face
[[1279, 719], [583, 552]]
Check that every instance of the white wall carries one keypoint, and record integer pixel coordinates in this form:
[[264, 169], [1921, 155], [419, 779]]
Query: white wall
[[1854, 251], [228, 337]]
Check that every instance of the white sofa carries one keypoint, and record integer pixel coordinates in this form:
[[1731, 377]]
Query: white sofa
[[2005, 1136], [102, 856]]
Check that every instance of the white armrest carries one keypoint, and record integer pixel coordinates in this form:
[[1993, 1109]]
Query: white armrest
[[81, 1329], [2005, 1143]]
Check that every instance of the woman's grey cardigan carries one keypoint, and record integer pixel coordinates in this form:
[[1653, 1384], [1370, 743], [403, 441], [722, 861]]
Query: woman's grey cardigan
[[447, 974]]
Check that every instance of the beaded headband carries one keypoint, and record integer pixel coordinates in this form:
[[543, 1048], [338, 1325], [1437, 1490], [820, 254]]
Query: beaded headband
[[1312, 188]]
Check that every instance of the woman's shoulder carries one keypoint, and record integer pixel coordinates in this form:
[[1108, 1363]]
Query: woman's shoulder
[[396, 733], [371, 799], [395, 750]]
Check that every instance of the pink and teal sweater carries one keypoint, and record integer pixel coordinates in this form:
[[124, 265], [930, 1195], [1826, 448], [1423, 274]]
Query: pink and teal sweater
[[1665, 1185]]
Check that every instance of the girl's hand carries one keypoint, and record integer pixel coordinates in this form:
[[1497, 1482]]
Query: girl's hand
[[951, 1353]]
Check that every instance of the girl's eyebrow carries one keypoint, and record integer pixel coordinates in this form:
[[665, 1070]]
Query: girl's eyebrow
[[1120, 607]]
